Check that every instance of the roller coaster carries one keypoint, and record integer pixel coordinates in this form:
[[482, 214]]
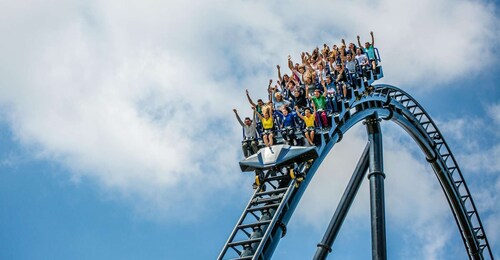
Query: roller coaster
[[283, 173]]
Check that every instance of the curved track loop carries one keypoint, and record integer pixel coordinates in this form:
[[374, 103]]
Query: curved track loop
[[388, 103]]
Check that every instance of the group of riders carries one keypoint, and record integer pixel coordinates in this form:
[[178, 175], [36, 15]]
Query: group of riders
[[303, 101]]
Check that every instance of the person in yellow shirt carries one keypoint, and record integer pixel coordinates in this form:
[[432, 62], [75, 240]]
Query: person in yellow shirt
[[309, 119], [268, 125]]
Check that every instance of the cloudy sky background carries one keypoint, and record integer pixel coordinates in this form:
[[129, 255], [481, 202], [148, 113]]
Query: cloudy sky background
[[118, 140]]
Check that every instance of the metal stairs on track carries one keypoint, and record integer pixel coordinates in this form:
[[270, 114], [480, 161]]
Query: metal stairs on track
[[262, 215], [264, 219]]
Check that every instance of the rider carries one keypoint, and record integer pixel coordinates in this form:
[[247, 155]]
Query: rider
[[319, 101], [268, 125], [309, 119], [249, 144], [369, 49], [288, 126]]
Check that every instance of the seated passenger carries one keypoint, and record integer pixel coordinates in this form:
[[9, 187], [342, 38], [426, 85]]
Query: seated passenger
[[290, 88], [362, 59], [350, 65], [278, 101], [283, 81], [268, 108], [330, 87], [319, 101], [288, 127], [332, 95], [268, 126], [340, 81], [369, 50], [297, 70], [309, 86], [309, 122], [321, 73], [299, 98], [249, 144], [351, 48]]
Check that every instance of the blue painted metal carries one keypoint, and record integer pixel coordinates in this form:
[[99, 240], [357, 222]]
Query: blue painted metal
[[277, 156], [376, 177], [388, 103], [325, 246]]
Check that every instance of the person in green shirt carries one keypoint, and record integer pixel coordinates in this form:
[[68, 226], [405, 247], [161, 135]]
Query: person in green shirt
[[319, 100]]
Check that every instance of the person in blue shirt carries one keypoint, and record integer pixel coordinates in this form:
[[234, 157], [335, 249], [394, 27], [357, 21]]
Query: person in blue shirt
[[288, 126]]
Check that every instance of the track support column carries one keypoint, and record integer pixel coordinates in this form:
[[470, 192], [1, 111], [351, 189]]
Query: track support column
[[376, 177], [345, 203]]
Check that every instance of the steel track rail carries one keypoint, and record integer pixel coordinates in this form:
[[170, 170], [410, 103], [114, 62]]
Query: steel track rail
[[392, 103]]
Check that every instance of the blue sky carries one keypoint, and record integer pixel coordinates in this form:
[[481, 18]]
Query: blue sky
[[118, 140]]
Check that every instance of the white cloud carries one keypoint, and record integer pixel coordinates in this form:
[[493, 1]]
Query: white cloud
[[415, 204], [138, 96], [476, 145], [475, 140], [494, 112]]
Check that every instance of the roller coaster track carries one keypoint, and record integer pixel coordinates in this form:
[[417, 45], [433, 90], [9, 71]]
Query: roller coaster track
[[263, 222]]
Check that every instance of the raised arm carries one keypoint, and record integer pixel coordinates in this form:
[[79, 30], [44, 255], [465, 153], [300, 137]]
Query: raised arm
[[238, 117], [373, 39], [303, 57], [279, 72], [258, 114], [250, 99], [298, 113], [342, 56], [308, 66], [281, 88], [359, 43], [270, 90], [342, 53], [290, 63], [324, 87], [273, 93]]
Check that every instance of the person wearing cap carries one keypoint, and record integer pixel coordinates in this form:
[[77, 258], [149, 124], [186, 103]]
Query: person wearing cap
[[249, 144]]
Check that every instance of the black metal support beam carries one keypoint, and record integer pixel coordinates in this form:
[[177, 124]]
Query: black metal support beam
[[324, 247], [376, 177]]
